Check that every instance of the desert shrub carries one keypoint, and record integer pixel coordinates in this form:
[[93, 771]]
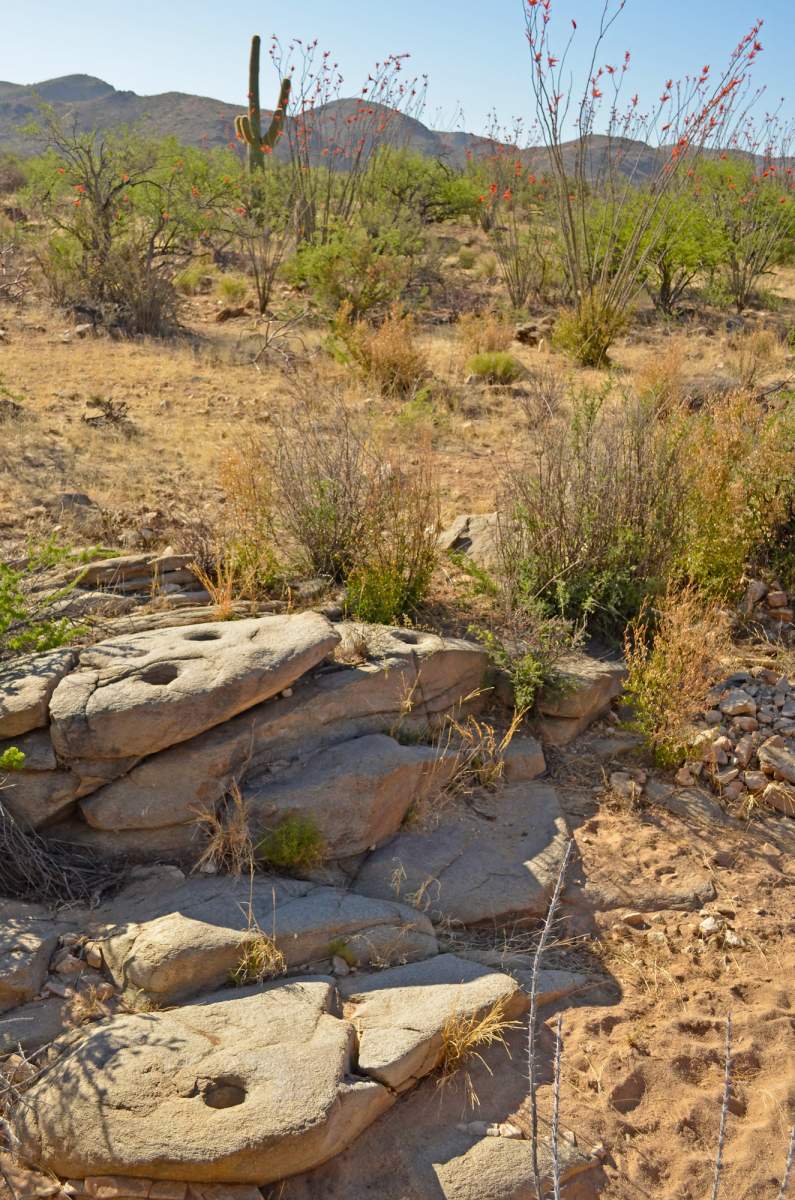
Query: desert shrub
[[386, 354], [467, 257], [191, 280], [395, 566], [752, 215], [13, 175], [365, 271], [739, 463], [487, 269], [125, 213], [587, 331], [232, 288], [589, 520], [243, 554], [404, 181], [495, 366], [530, 651], [294, 844], [673, 653], [485, 332], [12, 759], [350, 514], [32, 617]]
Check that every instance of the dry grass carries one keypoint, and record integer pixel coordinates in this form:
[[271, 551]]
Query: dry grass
[[229, 849], [260, 959], [477, 751], [86, 1005], [484, 333], [753, 354], [463, 1038], [673, 654], [387, 355]]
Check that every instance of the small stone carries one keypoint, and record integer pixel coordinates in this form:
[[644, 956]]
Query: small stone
[[713, 717], [780, 796], [738, 703], [635, 919], [117, 1187], [54, 987], [105, 990], [684, 777], [746, 724], [730, 938], [339, 966], [93, 956], [734, 791], [724, 778], [287, 693], [744, 751], [785, 615], [755, 592], [657, 937], [777, 599], [755, 781], [710, 926], [68, 965], [625, 785]]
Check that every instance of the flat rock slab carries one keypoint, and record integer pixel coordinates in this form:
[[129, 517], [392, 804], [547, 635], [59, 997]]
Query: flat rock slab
[[28, 937], [132, 696], [496, 861], [400, 1014], [432, 1145], [409, 680], [777, 758], [356, 794], [235, 1090], [587, 685], [32, 1025], [26, 685], [171, 942]]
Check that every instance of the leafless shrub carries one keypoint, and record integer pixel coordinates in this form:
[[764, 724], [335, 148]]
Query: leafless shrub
[[542, 396]]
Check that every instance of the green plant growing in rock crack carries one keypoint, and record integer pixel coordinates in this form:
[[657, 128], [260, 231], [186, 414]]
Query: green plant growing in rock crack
[[294, 844]]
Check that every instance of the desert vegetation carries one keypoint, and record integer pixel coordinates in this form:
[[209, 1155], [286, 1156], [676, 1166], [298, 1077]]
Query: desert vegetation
[[447, 459]]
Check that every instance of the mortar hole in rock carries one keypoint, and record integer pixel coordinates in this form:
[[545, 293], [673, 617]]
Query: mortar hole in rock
[[404, 635], [160, 673], [223, 1093], [205, 635]]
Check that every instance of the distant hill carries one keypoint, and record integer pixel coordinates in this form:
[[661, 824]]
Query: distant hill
[[193, 120], [202, 121]]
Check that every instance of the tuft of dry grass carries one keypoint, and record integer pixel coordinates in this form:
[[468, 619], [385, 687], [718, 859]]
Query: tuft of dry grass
[[484, 332], [477, 751], [463, 1038], [752, 354], [86, 1005], [260, 959], [387, 355], [229, 849], [673, 653]]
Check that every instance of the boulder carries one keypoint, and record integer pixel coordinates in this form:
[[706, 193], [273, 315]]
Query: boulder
[[137, 695], [587, 685], [431, 1146], [524, 760], [112, 572], [28, 937], [780, 796], [32, 1026], [497, 860], [26, 685], [172, 942], [356, 793], [474, 535], [400, 1014], [777, 758], [40, 798], [409, 679], [239, 1089]]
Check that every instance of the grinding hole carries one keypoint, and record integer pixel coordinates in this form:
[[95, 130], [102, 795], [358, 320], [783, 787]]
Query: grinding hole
[[160, 673], [221, 1093], [204, 635]]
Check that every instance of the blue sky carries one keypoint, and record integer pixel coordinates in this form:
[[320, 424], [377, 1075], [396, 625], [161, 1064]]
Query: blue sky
[[473, 50]]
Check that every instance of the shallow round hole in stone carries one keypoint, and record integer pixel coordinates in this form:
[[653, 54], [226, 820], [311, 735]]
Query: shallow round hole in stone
[[160, 673], [403, 635], [223, 1093], [203, 635]]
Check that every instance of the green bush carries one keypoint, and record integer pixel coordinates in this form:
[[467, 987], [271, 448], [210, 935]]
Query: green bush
[[12, 759], [590, 520], [31, 617], [495, 366], [294, 844], [232, 288], [588, 331]]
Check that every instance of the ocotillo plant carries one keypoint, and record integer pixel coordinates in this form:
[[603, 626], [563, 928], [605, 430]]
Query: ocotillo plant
[[249, 127]]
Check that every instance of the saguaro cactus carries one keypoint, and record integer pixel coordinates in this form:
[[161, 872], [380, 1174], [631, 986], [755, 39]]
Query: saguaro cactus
[[249, 127]]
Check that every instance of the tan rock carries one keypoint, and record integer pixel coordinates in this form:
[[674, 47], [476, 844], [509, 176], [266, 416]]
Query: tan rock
[[137, 695], [246, 1089], [26, 685], [780, 796], [777, 758]]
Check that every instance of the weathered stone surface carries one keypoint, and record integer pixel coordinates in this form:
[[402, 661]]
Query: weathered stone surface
[[32, 1025], [26, 685], [552, 985], [140, 694], [40, 798], [471, 868], [28, 936], [111, 572], [780, 796], [474, 535], [411, 678], [37, 748], [244, 1089], [524, 760], [399, 1014], [177, 941], [431, 1146], [356, 793], [587, 687], [777, 758]]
